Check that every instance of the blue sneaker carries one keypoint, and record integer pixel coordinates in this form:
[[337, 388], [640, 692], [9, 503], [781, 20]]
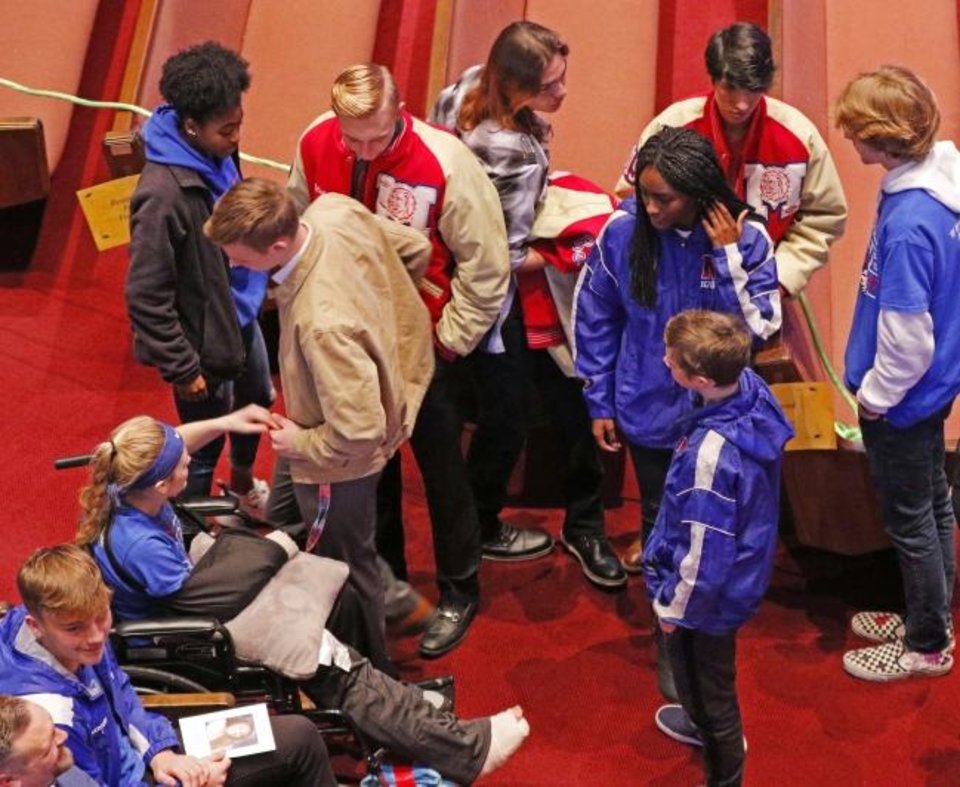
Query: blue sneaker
[[673, 721]]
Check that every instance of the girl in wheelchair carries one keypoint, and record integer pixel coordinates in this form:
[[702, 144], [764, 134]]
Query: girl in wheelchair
[[133, 532]]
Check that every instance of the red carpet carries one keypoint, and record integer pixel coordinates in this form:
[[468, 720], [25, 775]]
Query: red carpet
[[579, 661]]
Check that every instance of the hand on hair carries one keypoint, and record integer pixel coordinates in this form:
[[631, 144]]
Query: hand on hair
[[605, 433], [283, 438], [193, 391], [720, 226]]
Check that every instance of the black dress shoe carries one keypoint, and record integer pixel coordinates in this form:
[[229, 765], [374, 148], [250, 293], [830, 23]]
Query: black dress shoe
[[598, 561], [447, 629], [514, 544]]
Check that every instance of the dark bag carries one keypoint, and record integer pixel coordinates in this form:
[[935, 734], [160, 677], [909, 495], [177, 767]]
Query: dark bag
[[229, 576]]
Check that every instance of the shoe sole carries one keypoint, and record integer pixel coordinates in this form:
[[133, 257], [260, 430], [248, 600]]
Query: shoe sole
[[522, 558], [673, 735], [695, 742], [594, 578], [876, 677]]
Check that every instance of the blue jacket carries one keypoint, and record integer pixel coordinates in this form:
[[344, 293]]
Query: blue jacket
[[707, 563], [113, 739], [619, 343], [903, 350]]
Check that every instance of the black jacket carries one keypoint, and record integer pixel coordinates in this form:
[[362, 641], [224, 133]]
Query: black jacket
[[178, 286]]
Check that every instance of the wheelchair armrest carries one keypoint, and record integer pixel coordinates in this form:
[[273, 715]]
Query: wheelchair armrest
[[176, 706], [221, 505], [152, 627]]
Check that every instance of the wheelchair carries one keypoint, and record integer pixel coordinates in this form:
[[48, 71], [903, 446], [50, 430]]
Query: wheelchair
[[195, 655]]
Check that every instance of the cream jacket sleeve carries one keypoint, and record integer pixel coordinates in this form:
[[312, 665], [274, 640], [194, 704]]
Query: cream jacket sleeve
[[347, 384], [471, 225]]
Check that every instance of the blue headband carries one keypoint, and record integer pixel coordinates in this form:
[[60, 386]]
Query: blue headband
[[166, 461]]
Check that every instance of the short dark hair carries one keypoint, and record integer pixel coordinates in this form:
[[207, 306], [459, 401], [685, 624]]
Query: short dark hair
[[741, 56], [709, 344], [204, 81]]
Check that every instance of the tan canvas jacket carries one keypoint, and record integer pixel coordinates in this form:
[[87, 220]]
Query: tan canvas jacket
[[356, 348]]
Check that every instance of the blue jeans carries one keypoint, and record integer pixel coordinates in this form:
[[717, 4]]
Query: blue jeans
[[252, 386], [907, 467]]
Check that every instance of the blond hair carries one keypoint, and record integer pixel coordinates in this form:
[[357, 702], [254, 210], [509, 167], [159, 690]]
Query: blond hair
[[128, 454], [890, 109], [64, 580], [363, 89], [14, 720], [709, 344], [255, 213]]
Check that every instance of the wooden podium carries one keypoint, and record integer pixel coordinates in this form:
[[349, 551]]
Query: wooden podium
[[24, 185]]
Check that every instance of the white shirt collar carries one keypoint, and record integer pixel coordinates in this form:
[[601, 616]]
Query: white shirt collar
[[281, 275]]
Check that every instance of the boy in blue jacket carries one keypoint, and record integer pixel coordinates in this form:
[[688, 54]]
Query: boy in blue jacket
[[903, 363], [54, 652], [708, 561]]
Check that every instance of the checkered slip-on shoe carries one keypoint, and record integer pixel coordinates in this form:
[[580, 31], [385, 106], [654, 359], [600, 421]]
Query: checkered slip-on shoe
[[878, 626], [888, 627], [892, 661]]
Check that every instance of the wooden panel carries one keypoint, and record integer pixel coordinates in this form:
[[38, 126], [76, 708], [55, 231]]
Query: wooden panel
[[833, 503], [24, 176], [809, 407], [296, 49], [42, 46], [611, 80]]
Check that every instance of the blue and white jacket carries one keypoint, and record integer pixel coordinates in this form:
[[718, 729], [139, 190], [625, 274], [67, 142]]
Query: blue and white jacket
[[619, 343], [903, 352], [112, 737], [707, 563]]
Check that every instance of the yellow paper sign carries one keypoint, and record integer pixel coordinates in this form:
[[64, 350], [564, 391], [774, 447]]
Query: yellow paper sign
[[107, 210]]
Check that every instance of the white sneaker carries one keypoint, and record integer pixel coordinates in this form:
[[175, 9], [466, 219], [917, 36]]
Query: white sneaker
[[892, 661], [888, 627]]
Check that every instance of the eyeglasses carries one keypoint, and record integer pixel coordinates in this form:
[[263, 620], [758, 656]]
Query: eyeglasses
[[554, 85]]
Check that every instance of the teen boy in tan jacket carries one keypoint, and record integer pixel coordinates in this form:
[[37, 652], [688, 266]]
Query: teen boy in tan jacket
[[356, 356]]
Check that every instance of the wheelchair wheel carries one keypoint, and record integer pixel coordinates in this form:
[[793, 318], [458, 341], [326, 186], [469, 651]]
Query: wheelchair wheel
[[147, 680]]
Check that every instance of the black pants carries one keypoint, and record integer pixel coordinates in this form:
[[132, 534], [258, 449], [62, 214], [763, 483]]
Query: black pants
[[705, 674], [349, 535], [650, 468], [453, 514], [300, 759], [396, 715], [503, 386]]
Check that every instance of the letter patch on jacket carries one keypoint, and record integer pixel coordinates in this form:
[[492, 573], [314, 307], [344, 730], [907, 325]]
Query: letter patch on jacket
[[708, 276], [403, 202], [773, 188]]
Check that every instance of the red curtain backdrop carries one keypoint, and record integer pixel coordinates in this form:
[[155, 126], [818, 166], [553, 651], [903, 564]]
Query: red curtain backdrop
[[684, 28], [404, 40]]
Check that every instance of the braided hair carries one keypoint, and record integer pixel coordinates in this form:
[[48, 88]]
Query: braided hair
[[117, 463], [687, 162]]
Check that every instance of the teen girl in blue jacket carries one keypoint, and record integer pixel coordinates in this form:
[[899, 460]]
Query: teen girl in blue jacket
[[684, 242]]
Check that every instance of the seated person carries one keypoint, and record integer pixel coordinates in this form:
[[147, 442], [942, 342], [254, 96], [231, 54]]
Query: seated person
[[54, 652], [135, 473], [34, 753]]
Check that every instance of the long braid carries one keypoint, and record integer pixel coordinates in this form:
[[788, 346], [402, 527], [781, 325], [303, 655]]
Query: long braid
[[117, 463], [94, 499], [687, 162]]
